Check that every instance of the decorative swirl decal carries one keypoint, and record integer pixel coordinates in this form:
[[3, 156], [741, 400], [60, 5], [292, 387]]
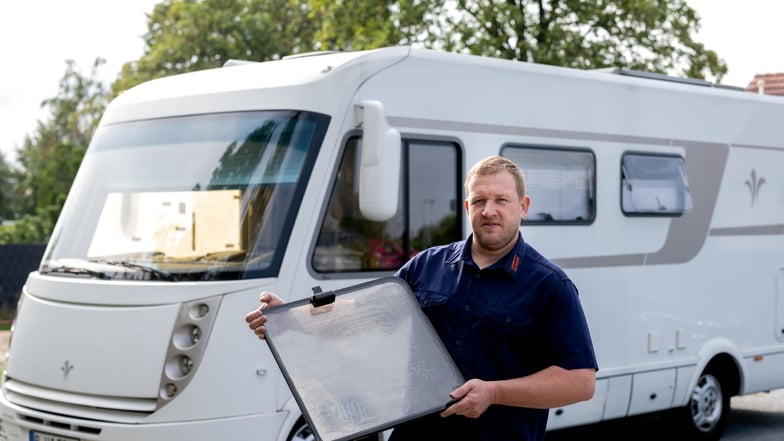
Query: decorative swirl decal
[[754, 185]]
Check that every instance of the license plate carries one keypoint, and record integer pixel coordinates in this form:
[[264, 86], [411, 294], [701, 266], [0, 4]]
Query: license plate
[[41, 436]]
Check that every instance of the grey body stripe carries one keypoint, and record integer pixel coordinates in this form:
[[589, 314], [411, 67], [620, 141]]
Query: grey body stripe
[[760, 230], [705, 167]]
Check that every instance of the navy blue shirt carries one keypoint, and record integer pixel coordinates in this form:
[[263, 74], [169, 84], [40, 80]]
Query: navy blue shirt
[[511, 319]]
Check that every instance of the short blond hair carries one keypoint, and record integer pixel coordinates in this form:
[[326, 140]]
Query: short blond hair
[[496, 164]]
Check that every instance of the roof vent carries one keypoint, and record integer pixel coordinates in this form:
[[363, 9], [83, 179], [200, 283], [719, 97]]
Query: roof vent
[[233, 62], [664, 77]]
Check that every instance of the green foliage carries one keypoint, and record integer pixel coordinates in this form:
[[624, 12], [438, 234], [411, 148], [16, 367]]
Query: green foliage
[[190, 35], [649, 35], [8, 179], [345, 25], [50, 157], [31, 228]]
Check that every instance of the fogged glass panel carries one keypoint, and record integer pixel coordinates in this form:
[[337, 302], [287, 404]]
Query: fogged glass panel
[[427, 212], [364, 363], [654, 185], [560, 183]]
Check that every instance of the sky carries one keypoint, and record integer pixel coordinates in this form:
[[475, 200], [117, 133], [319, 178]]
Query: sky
[[38, 36]]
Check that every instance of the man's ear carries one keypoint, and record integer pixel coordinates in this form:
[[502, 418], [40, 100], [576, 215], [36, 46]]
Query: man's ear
[[525, 202]]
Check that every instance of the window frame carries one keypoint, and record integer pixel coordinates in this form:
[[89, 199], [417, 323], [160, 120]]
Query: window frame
[[592, 191], [405, 189], [666, 214]]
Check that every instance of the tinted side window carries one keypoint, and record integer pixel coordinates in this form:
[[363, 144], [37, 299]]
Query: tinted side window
[[434, 195], [561, 183], [654, 185], [427, 215]]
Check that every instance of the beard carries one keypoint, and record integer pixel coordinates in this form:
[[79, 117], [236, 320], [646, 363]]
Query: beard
[[495, 241]]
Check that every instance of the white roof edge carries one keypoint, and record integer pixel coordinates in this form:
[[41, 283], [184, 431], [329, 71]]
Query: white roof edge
[[245, 75]]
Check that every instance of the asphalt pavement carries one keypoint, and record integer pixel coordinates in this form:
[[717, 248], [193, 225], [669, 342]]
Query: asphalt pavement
[[754, 417]]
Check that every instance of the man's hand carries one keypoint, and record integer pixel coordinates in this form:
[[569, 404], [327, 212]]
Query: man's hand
[[256, 318], [472, 399]]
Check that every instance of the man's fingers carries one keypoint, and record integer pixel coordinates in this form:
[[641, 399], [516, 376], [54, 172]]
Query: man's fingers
[[260, 332], [253, 315]]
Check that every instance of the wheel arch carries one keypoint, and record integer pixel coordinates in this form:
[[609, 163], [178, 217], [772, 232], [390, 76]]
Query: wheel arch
[[293, 417], [717, 376], [723, 359], [728, 370]]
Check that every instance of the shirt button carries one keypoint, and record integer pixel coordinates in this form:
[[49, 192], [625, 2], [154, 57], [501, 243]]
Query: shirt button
[[467, 308]]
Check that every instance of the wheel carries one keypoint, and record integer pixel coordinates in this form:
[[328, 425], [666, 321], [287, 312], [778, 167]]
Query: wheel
[[302, 432], [705, 416]]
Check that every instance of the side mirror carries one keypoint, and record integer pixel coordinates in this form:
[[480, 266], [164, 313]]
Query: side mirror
[[379, 170]]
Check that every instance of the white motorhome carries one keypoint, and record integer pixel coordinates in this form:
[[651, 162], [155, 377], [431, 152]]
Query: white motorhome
[[662, 199]]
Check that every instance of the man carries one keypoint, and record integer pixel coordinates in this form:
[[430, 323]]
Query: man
[[509, 317]]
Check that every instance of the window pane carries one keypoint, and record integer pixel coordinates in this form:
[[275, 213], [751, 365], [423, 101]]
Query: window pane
[[348, 242], [203, 197], [560, 183], [433, 194], [654, 185]]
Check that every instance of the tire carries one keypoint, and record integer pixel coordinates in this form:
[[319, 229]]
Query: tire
[[301, 432], [705, 416]]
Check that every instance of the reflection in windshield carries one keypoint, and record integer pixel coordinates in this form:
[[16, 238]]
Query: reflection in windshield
[[194, 198], [179, 225]]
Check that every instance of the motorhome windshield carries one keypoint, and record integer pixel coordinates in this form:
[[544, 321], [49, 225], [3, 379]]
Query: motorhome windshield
[[208, 197]]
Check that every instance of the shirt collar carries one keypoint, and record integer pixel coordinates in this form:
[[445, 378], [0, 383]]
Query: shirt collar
[[510, 263]]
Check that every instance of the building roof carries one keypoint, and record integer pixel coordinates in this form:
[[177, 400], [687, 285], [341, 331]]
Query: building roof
[[771, 83]]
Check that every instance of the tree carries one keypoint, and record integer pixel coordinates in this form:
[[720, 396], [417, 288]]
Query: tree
[[648, 35], [8, 178], [189, 35], [50, 157], [349, 26]]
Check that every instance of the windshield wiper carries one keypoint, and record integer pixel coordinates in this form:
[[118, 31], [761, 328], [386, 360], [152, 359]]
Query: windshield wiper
[[160, 274], [223, 256], [76, 271]]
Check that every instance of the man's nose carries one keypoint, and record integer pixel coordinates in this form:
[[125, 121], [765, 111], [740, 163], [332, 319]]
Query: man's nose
[[489, 209]]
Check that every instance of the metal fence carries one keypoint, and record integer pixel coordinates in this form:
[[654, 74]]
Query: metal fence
[[16, 262]]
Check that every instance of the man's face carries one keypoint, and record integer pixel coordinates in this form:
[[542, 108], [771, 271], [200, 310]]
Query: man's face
[[495, 210]]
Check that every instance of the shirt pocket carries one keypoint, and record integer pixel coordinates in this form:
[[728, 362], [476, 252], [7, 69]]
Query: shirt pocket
[[510, 322], [432, 299]]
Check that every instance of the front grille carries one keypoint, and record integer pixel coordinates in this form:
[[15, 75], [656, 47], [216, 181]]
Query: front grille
[[54, 423], [72, 405]]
